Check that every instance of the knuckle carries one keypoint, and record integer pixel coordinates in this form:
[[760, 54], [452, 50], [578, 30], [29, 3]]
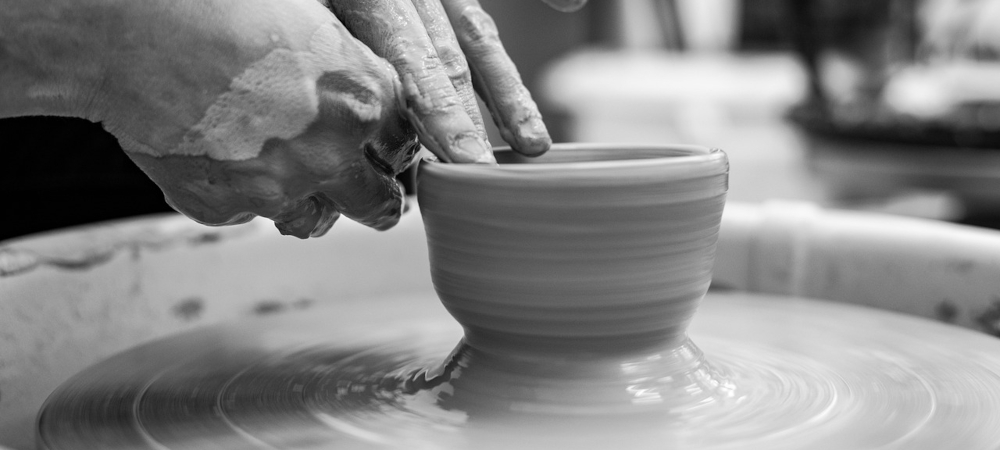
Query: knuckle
[[431, 96], [455, 65], [405, 51], [454, 61], [309, 217], [476, 26]]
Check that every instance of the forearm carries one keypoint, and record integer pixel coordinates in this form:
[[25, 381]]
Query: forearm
[[51, 54]]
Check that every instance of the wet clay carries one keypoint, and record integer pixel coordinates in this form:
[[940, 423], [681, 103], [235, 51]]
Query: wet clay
[[233, 109], [587, 253], [276, 98]]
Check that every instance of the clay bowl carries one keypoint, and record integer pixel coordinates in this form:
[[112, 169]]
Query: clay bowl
[[564, 267]]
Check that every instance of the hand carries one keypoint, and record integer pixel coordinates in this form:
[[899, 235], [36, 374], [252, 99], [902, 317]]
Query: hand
[[235, 108], [428, 41]]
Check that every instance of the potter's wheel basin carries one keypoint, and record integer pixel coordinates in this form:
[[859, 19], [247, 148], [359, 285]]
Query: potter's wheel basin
[[80, 296], [340, 363], [797, 374]]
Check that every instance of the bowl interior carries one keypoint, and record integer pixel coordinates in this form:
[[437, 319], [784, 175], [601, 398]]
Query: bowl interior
[[582, 153]]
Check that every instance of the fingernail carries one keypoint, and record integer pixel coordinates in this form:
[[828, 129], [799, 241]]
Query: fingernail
[[471, 149], [534, 136], [487, 158]]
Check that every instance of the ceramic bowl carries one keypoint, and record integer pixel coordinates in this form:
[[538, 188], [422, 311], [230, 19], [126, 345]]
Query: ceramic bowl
[[588, 255], [590, 247]]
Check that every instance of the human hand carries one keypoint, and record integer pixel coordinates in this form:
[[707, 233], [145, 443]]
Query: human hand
[[433, 44], [237, 108]]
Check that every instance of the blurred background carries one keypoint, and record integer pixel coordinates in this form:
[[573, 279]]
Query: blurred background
[[883, 105]]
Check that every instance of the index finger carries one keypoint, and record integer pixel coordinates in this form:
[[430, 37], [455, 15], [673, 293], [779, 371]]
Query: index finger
[[496, 78], [393, 30], [446, 44]]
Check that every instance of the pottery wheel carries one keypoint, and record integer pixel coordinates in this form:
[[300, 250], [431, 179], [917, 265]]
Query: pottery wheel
[[787, 373]]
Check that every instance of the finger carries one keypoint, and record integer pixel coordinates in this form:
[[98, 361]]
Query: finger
[[312, 217], [455, 65], [394, 31], [566, 5], [367, 194], [496, 79]]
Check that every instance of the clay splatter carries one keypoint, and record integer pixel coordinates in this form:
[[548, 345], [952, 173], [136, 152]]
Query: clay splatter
[[946, 311], [15, 261], [276, 306], [303, 303], [268, 307], [206, 238], [962, 266], [989, 320], [189, 308], [84, 263]]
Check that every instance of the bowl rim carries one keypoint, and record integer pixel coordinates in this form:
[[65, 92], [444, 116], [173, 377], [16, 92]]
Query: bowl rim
[[691, 152], [676, 158]]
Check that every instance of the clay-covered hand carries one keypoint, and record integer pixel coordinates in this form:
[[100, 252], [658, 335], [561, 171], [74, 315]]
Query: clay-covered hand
[[235, 108], [433, 44]]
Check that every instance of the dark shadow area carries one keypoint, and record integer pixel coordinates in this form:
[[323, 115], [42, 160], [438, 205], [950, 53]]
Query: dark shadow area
[[57, 172]]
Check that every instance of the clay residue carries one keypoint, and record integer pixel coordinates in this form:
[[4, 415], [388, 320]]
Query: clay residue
[[276, 98], [265, 307], [206, 238], [15, 261], [962, 266], [989, 320], [946, 311], [189, 309], [303, 303], [271, 306]]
